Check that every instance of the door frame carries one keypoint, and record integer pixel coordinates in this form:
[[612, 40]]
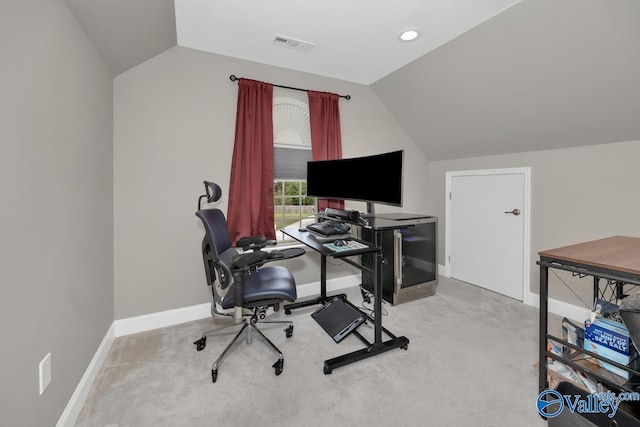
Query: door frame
[[526, 252]]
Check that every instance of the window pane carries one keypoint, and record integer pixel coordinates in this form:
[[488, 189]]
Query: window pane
[[291, 188], [291, 208], [278, 187]]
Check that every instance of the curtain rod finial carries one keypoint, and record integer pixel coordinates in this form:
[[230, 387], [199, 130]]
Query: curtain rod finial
[[233, 78]]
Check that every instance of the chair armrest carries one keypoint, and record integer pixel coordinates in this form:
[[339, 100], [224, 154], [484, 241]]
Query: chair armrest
[[285, 253], [256, 259], [254, 243], [249, 260]]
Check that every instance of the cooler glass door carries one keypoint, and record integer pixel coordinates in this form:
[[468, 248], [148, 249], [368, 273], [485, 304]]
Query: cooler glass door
[[415, 260]]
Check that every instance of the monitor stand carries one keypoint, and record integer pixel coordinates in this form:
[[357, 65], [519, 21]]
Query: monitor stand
[[371, 211]]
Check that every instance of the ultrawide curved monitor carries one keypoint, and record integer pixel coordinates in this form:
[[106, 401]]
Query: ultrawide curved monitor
[[374, 179]]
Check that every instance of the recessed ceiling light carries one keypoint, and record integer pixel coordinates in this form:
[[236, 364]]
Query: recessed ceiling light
[[408, 35]]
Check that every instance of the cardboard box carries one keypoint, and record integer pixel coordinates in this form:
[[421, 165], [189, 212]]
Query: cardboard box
[[610, 340]]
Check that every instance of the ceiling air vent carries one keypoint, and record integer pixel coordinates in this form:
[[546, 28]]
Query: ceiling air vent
[[291, 43]]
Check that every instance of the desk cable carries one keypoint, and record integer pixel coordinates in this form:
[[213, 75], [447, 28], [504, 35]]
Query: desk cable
[[367, 303]]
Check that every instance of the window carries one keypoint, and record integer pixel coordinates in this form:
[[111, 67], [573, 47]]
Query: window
[[292, 206], [292, 151]]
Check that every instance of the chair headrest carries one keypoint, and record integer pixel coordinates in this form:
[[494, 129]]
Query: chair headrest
[[214, 192]]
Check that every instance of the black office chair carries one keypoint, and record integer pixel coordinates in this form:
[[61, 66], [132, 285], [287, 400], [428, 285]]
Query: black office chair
[[237, 281]]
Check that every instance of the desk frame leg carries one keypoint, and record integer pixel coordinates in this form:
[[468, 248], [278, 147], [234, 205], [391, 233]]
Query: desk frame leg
[[378, 346], [377, 274], [323, 298], [370, 351], [544, 298]]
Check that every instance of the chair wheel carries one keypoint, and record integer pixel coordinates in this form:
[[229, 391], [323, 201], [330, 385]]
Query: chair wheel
[[278, 366], [201, 343], [326, 370], [405, 347], [289, 331], [287, 311], [214, 375]]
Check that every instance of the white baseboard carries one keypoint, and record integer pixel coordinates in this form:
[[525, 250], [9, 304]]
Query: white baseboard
[[442, 270], [561, 308], [333, 285], [79, 396], [161, 319]]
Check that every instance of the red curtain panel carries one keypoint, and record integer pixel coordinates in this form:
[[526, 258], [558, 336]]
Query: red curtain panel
[[250, 209], [326, 139]]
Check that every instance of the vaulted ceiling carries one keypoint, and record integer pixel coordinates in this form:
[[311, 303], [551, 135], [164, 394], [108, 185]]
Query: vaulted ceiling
[[355, 40], [484, 77], [544, 74]]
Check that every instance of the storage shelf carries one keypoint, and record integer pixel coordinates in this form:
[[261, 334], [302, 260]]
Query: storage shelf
[[582, 361], [611, 264]]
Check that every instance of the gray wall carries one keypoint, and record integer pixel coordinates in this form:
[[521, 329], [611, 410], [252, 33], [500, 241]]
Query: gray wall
[[56, 250], [174, 127], [577, 194]]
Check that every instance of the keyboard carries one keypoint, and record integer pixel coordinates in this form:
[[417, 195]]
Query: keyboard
[[329, 228]]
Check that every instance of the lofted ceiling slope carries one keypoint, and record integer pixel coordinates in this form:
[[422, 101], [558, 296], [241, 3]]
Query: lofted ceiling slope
[[126, 33], [544, 74]]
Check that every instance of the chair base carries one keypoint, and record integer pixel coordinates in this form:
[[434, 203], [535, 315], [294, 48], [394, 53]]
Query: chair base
[[248, 328]]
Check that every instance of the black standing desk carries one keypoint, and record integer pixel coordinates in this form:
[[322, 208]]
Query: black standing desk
[[309, 240], [371, 348]]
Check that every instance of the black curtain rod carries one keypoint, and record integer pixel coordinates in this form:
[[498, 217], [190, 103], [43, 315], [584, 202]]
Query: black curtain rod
[[233, 78]]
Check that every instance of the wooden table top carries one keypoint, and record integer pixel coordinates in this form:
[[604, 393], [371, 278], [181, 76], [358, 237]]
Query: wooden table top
[[618, 253]]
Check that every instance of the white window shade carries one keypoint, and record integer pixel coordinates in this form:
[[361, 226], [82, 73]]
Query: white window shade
[[292, 138], [291, 163]]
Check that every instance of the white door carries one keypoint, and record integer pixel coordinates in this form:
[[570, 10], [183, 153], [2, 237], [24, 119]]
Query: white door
[[488, 222]]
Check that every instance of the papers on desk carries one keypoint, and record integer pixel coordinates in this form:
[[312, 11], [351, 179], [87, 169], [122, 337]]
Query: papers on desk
[[351, 245]]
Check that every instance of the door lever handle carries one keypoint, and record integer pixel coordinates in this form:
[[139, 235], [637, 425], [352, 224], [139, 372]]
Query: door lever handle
[[515, 212]]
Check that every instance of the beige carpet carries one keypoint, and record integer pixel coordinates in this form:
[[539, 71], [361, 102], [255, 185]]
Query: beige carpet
[[469, 363]]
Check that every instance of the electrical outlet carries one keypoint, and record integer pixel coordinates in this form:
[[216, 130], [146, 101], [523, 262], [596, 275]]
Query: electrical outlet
[[44, 371]]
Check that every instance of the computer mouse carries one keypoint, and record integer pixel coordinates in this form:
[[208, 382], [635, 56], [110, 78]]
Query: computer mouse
[[342, 228], [340, 243]]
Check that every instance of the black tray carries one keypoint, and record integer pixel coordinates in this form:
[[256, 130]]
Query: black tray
[[338, 318]]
